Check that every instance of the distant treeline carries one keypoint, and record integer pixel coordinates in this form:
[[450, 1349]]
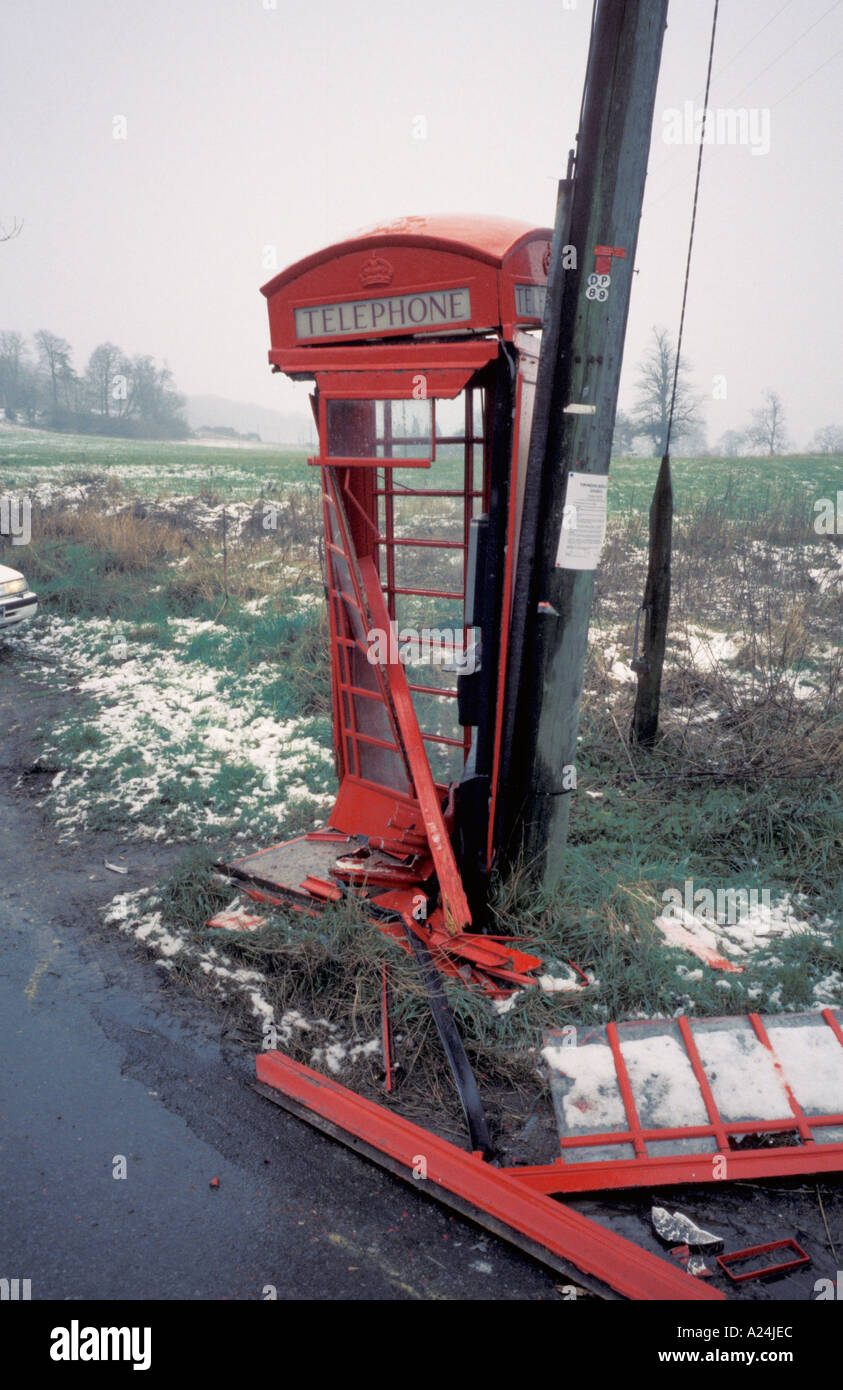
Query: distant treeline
[[115, 394]]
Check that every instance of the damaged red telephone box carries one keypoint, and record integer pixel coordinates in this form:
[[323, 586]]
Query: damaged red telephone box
[[416, 335]]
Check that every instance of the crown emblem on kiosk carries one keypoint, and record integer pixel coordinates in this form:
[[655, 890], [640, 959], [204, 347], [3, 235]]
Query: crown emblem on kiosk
[[376, 271]]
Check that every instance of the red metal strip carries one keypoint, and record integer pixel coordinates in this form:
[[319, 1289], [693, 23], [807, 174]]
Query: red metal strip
[[422, 544], [348, 755], [801, 1122], [626, 1090], [493, 968], [833, 1025], [429, 593], [467, 514], [389, 530], [386, 1030], [358, 601], [668, 1170], [506, 606], [338, 658], [633, 1272], [430, 491], [341, 461], [441, 692], [321, 888], [370, 356], [625, 1136], [348, 496], [702, 1081], [374, 742]]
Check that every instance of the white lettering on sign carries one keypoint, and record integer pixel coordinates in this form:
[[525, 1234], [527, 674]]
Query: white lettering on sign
[[529, 301], [598, 287], [580, 544], [407, 311]]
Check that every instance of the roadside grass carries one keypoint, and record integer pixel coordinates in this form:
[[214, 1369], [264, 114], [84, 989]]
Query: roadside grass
[[625, 853], [202, 714], [326, 972], [202, 689], [166, 746]]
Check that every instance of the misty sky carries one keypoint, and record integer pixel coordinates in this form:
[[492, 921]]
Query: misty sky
[[250, 126]]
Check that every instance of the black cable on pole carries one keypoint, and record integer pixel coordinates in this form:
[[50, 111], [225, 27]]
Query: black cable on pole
[[585, 84], [693, 225], [656, 604]]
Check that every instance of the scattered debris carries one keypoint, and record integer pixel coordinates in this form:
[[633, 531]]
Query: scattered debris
[[236, 918], [831, 1244], [389, 1066], [754, 1252], [675, 1226], [687, 931], [691, 1263]]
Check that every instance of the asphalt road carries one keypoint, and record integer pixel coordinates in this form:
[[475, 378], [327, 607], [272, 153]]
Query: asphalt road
[[102, 1059]]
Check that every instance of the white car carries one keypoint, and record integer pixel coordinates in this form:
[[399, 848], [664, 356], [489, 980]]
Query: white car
[[16, 600]]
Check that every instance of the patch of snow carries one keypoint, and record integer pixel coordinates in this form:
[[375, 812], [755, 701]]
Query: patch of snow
[[812, 1060], [741, 1073], [503, 1006], [130, 913]]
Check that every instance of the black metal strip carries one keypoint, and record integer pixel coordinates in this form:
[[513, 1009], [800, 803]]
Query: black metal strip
[[464, 1078]]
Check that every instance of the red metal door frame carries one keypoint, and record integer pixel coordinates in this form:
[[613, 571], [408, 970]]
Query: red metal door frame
[[457, 914], [810, 1155]]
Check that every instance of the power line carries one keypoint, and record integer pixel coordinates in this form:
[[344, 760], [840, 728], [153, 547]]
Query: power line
[[729, 61], [808, 78], [665, 193], [784, 51], [771, 64], [751, 41]]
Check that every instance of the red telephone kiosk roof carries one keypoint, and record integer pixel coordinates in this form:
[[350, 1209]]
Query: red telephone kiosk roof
[[449, 277]]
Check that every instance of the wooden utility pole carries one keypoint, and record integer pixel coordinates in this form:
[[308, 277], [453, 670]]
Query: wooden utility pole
[[576, 400], [656, 607]]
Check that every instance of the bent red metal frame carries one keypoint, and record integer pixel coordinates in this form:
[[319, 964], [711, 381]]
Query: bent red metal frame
[[810, 1154], [506, 1204]]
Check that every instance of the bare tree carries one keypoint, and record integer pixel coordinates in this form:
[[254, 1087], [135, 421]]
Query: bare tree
[[731, 443], [12, 359], [103, 367], [654, 390], [623, 437], [115, 394], [17, 228], [828, 440], [54, 356], [767, 428]]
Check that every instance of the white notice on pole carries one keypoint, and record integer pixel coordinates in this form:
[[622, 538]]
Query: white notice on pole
[[583, 522]]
